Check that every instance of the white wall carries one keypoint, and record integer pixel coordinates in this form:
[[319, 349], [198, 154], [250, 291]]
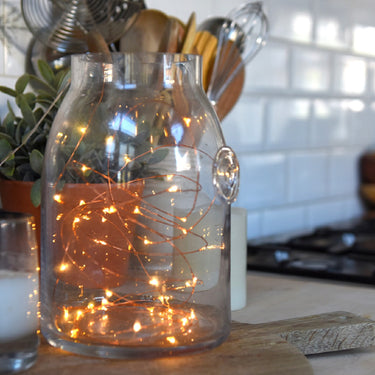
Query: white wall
[[306, 114]]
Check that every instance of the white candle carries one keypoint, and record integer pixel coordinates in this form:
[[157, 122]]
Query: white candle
[[18, 304], [238, 257], [191, 253]]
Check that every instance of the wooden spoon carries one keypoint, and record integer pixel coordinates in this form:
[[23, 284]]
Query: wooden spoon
[[231, 94], [146, 33], [97, 43], [205, 44], [209, 55], [188, 44], [173, 36]]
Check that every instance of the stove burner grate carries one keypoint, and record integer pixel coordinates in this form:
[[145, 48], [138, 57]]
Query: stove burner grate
[[346, 254]]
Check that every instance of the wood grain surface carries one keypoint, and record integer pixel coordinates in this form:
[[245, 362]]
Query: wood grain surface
[[324, 333], [247, 351]]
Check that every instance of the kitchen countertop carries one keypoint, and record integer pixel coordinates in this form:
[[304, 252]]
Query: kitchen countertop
[[272, 297]]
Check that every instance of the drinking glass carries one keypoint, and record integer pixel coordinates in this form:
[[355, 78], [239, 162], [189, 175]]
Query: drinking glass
[[19, 292]]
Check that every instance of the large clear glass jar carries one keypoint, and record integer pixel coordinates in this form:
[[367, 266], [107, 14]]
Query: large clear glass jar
[[136, 210]]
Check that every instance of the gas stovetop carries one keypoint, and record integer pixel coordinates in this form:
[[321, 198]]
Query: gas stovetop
[[340, 253]]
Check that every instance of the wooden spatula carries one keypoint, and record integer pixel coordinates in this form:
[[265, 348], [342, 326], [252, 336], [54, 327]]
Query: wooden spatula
[[146, 33], [173, 36], [230, 95], [188, 44]]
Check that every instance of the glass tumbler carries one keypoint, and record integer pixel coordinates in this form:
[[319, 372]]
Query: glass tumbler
[[19, 292]]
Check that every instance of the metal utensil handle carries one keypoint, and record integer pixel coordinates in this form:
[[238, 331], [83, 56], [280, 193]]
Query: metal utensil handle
[[249, 17]]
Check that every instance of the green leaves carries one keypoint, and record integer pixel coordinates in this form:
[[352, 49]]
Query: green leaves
[[22, 83], [8, 138], [20, 86], [36, 161], [24, 132], [5, 148], [8, 91], [35, 194], [46, 72], [8, 166], [26, 110], [49, 83]]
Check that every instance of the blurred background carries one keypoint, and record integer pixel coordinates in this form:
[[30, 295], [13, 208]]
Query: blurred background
[[305, 116]]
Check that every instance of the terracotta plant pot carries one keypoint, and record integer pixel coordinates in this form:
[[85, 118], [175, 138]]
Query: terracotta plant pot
[[15, 197]]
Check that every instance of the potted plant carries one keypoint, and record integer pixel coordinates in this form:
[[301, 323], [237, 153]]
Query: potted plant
[[23, 136]]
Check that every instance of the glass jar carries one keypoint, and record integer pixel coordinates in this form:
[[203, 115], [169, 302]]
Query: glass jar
[[136, 200]]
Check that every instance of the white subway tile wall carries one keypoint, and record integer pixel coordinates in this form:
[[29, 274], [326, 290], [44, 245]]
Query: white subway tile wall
[[307, 176], [274, 61], [310, 70], [306, 113], [287, 123]]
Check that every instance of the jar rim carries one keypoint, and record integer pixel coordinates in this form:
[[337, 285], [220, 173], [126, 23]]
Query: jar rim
[[144, 56], [134, 63], [7, 217]]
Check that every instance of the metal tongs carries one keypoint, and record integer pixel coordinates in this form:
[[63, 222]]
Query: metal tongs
[[248, 23]]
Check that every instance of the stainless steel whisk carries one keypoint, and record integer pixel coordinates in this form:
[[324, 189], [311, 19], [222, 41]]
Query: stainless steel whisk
[[63, 25], [252, 22]]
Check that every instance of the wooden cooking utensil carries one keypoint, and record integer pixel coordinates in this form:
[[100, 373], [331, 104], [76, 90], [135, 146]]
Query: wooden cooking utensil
[[96, 43], [146, 33], [201, 38], [173, 36], [205, 44], [229, 97], [188, 44]]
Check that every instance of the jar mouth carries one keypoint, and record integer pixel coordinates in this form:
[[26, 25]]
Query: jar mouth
[[145, 57], [133, 67], [7, 217]]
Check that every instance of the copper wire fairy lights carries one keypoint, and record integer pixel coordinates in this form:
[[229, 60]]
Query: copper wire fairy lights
[[106, 208]]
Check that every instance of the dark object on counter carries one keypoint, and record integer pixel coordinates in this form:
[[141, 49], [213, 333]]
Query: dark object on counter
[[367, 179], [367, 167], [346, 253]]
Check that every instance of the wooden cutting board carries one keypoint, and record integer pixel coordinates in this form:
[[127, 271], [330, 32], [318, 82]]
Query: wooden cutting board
[[245, 352], [256, 349]]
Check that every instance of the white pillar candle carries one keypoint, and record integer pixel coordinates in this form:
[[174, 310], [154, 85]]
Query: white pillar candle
[[188, 259], [18, 304], [238, 257]]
